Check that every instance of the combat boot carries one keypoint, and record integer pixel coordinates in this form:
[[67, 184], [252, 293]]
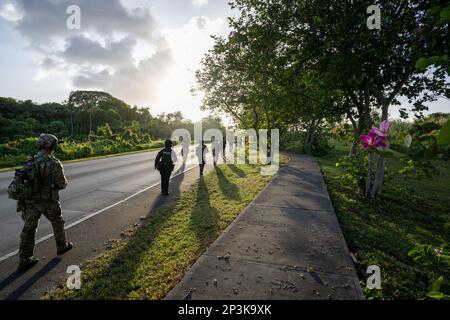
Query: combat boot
[[30, 263], [67, 247]]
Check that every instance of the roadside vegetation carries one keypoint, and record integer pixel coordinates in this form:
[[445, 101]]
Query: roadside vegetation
[[315, 71], [406, 232], [155, 255], [92, 123], [15, 153]]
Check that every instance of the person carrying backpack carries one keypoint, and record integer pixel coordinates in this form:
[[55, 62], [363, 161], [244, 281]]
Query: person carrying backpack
[[36, 187], [164, 163]]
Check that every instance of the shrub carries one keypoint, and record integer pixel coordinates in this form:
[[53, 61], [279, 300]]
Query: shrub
[[355, 168], [343, 133], [436, 260], [105, 131], [399, 131], [294, 141], [157, 144], [16, 152]]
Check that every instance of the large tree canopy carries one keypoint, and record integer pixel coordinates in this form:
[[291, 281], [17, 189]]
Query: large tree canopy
[[287, 62]]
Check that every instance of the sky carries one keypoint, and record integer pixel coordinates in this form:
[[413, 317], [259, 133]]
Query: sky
[[144, 52]]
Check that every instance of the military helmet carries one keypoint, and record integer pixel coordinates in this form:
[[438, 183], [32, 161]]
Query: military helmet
[[48, 141], [168, 143]]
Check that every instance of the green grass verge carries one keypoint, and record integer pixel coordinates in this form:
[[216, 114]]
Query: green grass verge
[[156, 254], [382, 232]]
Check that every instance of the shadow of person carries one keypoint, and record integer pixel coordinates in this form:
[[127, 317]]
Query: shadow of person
[[118, 276], [16, 294], [10, 279], [237, 171], [204, 217], [115, 278], [176, 180], [229, 189]]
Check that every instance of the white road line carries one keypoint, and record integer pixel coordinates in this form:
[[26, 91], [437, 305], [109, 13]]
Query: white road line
[[12, 254]]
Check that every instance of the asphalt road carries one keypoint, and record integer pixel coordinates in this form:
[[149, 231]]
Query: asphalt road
[[93, 186]]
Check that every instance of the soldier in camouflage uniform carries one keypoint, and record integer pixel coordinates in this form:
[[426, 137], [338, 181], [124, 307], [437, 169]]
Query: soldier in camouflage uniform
[[46, 202]]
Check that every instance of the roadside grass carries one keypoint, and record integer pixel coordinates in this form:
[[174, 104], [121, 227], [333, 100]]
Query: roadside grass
[[93, 158], [382, 233], [154, 256], [10, 162]]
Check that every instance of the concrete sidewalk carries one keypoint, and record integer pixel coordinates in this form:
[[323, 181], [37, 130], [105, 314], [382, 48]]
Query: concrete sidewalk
[[287, 244]]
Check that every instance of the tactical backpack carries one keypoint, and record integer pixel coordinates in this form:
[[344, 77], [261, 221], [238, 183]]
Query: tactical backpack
[[166, 161], [26, 183]]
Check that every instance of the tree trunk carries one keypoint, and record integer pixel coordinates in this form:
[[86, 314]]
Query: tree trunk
[[353, 147], [90, 123], [379, 177], [71, 124], [306, 141], [310, 136], [369, 174]]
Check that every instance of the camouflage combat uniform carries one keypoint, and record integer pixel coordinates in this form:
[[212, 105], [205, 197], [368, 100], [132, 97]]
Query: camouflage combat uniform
[[45, 203]]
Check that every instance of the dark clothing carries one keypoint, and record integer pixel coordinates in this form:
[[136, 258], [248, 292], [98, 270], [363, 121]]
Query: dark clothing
[[165, 178], [164, 162], [202, 150], [202, 167]]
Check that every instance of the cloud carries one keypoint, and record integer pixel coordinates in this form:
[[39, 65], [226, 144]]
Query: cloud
[[188, 45], [46, 19], [109, 53], [132, 83], [199, 3], [10, 13], [81, 49], [201, 22]]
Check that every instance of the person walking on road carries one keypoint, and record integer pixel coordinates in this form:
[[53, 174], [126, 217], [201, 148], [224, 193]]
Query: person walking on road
[[230, 142], [216, 149], [164, 163], [46, 176], [201, 152], [185, 144], [224, 148]]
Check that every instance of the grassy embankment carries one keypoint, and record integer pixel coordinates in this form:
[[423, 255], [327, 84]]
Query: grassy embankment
[[155, 255], [13, 155], [383, 232]]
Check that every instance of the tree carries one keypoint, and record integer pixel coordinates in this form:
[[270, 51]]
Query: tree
[[88, 101], [434, 31], [283, 52]]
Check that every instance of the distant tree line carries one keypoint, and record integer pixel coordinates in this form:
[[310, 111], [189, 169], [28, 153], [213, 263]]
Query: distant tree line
[[86, 114]]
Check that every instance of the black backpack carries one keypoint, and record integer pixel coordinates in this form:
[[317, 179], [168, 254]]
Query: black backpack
[[166, 160]]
